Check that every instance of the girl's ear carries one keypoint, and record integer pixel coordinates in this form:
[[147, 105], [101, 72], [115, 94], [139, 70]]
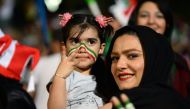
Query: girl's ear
[[102, 46]]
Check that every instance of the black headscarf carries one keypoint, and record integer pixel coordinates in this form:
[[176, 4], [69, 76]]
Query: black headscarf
[[152, 92]]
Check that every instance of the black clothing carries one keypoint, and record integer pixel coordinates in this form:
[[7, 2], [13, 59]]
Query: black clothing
[[17, 98]]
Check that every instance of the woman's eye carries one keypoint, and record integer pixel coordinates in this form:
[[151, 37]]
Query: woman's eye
[[114, 58], [132, 56]]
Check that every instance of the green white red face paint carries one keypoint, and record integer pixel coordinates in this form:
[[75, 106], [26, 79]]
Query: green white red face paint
[[90, 52]]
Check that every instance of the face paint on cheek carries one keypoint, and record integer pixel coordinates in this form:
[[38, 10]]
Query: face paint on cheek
[[90, 52]]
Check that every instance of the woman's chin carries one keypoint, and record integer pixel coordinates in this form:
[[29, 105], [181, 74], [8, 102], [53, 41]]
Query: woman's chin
[[123, 87]]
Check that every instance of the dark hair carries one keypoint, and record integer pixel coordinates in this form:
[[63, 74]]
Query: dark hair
[[163, 6], [85, 21]]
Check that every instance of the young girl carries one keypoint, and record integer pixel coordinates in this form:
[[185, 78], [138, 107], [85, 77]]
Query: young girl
[[75, 81]]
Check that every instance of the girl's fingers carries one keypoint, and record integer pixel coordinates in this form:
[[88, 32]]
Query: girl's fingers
[[73, 56], [106, 106], [63, 52]]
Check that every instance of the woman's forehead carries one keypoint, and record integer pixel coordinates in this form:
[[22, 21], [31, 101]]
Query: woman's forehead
[[127, 42]]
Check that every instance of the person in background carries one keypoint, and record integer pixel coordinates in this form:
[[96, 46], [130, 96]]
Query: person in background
[[44, 70], [76, 80], [157, 15], [139, 62], [16, 62]]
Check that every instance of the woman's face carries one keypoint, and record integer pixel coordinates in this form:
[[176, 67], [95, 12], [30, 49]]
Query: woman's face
[[149, 15], [127, 61]]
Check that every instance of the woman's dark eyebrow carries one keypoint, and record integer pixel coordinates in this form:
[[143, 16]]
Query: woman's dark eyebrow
[[130, 50], [126, 51]]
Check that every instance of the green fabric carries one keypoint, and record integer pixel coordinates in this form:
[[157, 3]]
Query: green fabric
[[90, 1], [108, 41]]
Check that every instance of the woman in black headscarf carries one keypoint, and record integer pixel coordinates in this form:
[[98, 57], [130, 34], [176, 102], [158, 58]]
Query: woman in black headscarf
[[140, 61], [157, 15]]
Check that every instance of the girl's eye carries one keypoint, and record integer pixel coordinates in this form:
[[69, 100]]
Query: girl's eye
[[74, 41], [91, 41]]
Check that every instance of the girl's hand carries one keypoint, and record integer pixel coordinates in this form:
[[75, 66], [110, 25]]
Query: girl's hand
[[67, 64], [126, 104], [106, 106]]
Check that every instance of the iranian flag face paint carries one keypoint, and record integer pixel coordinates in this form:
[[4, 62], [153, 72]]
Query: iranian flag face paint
[[90, 52]]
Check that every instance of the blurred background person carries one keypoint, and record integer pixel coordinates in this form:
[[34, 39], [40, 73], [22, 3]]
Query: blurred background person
[[16, 62], [45, 70]]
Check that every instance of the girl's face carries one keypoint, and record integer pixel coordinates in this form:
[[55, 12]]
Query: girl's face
[[127, 61], [149, 15], [88, 46]]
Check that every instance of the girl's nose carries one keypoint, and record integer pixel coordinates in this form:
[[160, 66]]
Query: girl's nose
[[82, 49]]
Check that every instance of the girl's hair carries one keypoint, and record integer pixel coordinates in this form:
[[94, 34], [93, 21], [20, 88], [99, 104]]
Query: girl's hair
[[85, 21], [163, 6]]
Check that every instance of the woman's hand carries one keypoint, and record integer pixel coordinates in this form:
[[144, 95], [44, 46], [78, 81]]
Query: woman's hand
[[124, 104]]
